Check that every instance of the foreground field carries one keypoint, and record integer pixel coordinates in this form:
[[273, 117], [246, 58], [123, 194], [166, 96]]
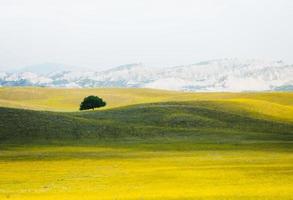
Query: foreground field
[[132, 173], [147, 144]]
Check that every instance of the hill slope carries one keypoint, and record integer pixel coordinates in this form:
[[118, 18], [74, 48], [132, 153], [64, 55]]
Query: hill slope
[[277, 105], [196, 122]]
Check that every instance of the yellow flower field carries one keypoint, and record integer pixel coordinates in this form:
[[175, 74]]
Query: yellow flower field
[[109, 173]]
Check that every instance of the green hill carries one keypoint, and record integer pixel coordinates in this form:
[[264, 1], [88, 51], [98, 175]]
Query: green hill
[[197, 122], [196, 117]]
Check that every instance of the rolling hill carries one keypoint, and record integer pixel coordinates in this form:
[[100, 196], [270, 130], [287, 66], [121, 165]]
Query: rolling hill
[[274, 104], [144, 113], [147, 144]]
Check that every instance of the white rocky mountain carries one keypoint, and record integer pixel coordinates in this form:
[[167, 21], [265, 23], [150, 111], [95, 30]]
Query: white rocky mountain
[[215, 75]]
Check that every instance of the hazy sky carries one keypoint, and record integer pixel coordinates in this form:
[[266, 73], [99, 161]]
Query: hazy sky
[[106, 33]]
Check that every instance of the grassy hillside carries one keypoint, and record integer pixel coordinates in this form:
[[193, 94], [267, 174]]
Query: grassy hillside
[[278, 105], [172, 117], [69, 99], [147, 144], [200, 121]]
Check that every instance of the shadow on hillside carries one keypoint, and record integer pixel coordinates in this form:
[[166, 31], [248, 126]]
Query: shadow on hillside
[[187, 122]]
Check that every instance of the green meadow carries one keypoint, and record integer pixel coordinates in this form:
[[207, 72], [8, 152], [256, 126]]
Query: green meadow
[[145, 144]]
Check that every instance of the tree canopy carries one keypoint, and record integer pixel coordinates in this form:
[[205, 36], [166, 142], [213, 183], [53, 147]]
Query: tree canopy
[[92, 102]]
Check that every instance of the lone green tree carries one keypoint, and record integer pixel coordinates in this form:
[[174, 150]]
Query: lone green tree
[[92, 102]]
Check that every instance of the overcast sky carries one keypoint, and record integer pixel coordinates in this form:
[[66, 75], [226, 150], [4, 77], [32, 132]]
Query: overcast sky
[[106, 33]]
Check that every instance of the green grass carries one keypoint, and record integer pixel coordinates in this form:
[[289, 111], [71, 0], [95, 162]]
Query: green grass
[[197, 121], [146, 144]]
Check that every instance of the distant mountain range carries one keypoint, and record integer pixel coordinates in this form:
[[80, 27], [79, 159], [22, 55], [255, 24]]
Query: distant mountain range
[[214, 75]]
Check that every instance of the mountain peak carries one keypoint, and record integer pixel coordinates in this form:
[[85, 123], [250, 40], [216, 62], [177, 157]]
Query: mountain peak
[[47, 68], [241, 62], [127, 67]]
